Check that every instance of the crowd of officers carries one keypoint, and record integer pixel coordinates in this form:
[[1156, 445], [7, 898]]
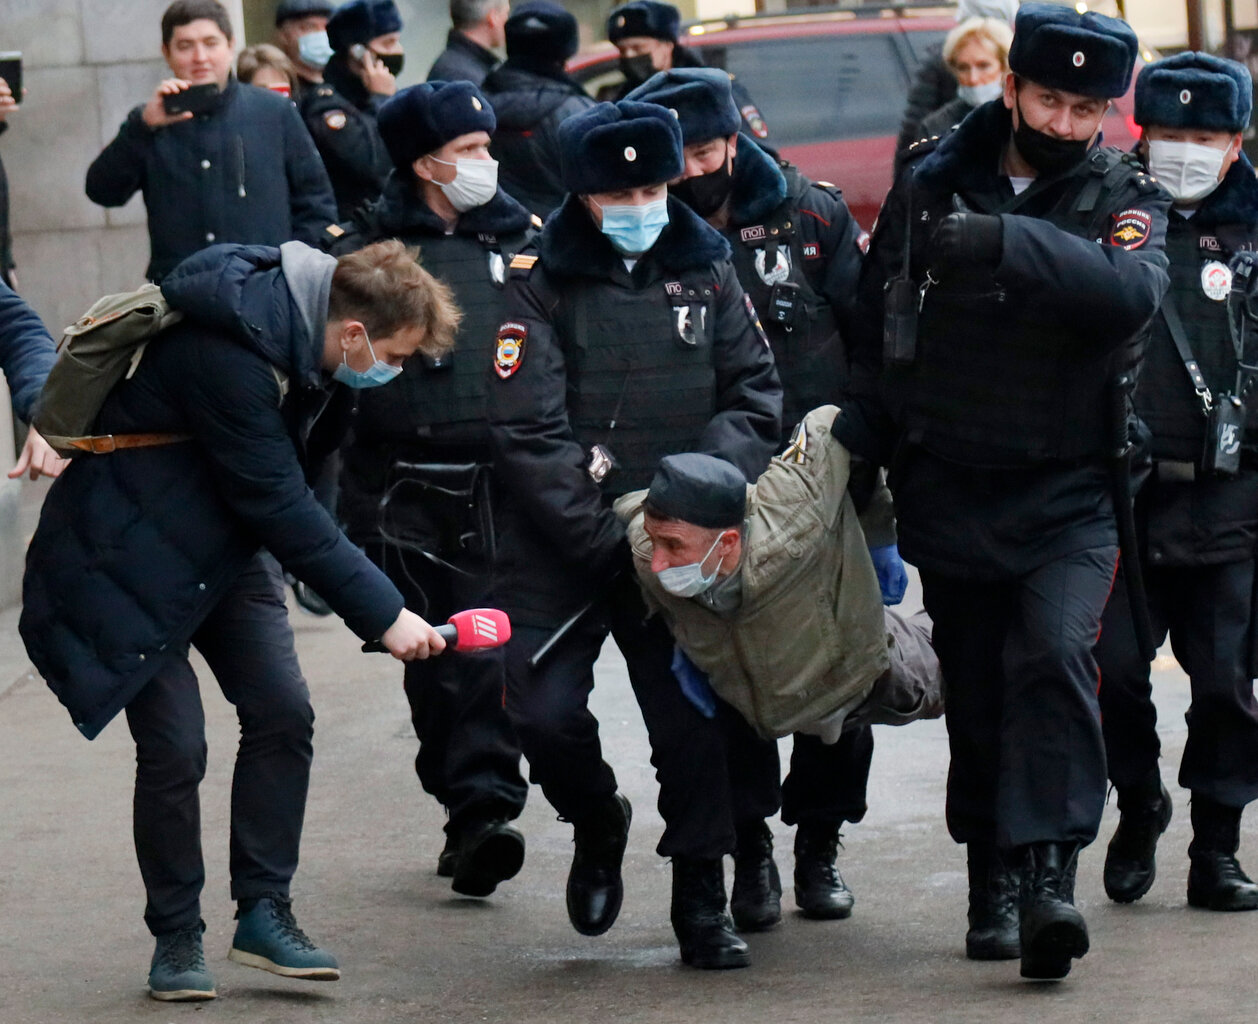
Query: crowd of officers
[[1040, 327]]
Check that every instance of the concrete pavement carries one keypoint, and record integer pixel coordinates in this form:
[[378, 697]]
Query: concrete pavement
[[73, 947]]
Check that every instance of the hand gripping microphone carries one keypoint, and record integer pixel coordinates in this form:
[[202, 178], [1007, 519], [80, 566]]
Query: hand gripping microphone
[[477, 629]]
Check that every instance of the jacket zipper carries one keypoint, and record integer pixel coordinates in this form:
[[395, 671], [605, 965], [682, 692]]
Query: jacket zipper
[[240, 165]]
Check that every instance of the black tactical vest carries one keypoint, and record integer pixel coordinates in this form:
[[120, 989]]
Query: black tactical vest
[[808, 350]]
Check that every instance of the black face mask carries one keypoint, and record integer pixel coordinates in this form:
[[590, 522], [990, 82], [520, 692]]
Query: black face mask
[[706, 193], [393, 62], [637, 69], [1048, 155]]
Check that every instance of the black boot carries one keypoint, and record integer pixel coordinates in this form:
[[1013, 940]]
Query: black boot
[[1130, 865], [1052, 931], [993, 933], [820, 892], [595, 890], [704, 931], [448, 858], [756, 902], [489, 851], [1215, 879]]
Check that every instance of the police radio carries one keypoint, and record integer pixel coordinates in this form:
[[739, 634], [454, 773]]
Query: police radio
[[783, 302], [1225, 427], [902, 300]]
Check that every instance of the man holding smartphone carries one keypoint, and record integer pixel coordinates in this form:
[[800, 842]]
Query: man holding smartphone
[[216, 161], [341, 113]]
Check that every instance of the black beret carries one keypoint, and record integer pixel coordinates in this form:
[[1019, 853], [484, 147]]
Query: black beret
[[698, 489], [612, 146], [1089, 54], [290, 9], [1195, 90], [423, 118], [644, 18], [700, 98], [361, 21], [541, 31]]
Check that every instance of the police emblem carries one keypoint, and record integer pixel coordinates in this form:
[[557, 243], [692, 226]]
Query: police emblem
[[335, 119], [510, 350], [1216, 280], [779, 272], [1131, 229], [754, 121]]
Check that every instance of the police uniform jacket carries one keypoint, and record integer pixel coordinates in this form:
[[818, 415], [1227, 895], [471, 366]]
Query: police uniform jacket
[[341, 116], [784, 227], [529, 107], [1212, 519], [662, 359], [244, 172], [997, 432], [435, 411], [463, 60]]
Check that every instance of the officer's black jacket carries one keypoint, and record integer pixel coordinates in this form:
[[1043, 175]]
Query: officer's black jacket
[[341, 116], [529, 107], [1069, 302], [933, 86], [245, 172], [1213, 519], [463, 60], [770, 209], [602, 362]]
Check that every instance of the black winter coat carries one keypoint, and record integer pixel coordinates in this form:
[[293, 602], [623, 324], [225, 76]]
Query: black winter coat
[[246, 172], [530, 107], [463, 60], [934, 84], [135, 548]]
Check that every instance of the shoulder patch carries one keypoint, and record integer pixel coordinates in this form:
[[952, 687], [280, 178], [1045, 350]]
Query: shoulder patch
[[754, 121], [509, 350], [335, 119], [523, 261], [1131, 229], [754, 317]]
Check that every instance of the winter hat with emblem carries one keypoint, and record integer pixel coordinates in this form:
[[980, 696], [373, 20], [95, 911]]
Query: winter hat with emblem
[[1088, 54], [361, 21], [699, 489], [644, 18], [700, 98], [289, 10], [613, 146], [1194, 90], [541, 32], [423, 118]]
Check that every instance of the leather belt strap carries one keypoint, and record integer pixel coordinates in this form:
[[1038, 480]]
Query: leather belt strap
[[103, 444]]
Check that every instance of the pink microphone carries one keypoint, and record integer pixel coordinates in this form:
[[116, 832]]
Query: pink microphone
[[477, 629]]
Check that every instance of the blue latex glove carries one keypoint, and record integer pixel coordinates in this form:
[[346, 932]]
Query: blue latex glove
[[893, 578], [694, 683]]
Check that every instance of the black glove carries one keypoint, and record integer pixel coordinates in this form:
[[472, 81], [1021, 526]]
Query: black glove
[[968, 238]]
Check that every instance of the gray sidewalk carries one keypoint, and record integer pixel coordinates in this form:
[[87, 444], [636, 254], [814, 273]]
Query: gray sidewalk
[[73, 947]]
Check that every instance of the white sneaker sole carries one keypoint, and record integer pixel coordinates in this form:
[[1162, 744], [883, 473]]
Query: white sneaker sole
[[263, 964], [183, 995]]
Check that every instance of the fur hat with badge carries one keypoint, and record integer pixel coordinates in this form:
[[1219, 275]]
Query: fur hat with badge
[[644, 18], [361, 21], [541, 32], [1087, 54], [700, 98], [1195, 90], [423, 118], [614, 146]]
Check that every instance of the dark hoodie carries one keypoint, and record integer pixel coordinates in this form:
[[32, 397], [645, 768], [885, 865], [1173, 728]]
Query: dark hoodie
[[135, 548]]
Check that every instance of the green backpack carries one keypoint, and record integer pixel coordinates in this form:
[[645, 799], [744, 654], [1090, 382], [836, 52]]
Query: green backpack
[[99, 350]]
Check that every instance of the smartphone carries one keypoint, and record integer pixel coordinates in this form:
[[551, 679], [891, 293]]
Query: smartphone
[[11, 72], [358, 52], [196, 98]]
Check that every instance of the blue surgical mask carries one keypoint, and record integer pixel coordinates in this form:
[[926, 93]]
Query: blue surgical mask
[[689, 580], [379, 372], [314, 49], [634, 229]]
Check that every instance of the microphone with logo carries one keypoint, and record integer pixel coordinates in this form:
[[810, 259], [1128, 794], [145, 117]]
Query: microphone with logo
[[477, 629]]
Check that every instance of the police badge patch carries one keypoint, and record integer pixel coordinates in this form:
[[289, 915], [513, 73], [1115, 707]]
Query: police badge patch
[[755, 122], [510, 349], [1131, 229], [335, 120]]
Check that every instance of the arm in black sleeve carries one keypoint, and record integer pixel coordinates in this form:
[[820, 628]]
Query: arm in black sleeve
[[27, 351], [118, 172], [355, 148], [231, 399], [839, 236], [312, 206], [932, 87], [536, 456], [748, 422]]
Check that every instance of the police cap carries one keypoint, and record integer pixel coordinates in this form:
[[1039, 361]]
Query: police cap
[[423, 118], [644, 18], [1088, 54], [614, 146], [1195, 90], [700, 98]]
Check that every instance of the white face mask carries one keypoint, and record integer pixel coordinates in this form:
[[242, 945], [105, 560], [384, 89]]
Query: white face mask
[[1187, 170], [977, 95], [475, 182], [689, 580]]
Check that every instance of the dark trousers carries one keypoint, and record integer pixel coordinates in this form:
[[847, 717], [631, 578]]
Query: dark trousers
[[1207, 610], [248, 644], [469, 758], [1020, 681], [559, 735]]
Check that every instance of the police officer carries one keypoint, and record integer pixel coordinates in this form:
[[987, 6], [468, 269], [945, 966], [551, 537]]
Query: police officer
[[301, 31], [646, 34], [627, 337], [797, 253], [532, 95], [415, 483], [1002, 320], [341, 113], [1200, 525]]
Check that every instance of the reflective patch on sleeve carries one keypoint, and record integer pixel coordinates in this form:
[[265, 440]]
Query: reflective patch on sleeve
[[1131, 229]]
